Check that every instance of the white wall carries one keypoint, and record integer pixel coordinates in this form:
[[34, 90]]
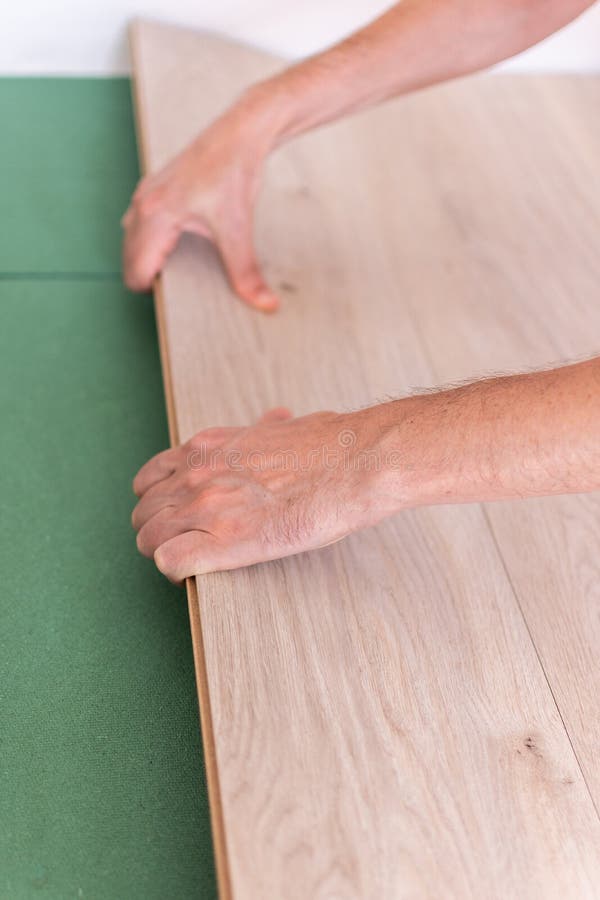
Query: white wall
[[88, 36]]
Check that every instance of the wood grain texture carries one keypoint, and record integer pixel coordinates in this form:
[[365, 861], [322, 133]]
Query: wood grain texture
[[381, 723], [511, 283]]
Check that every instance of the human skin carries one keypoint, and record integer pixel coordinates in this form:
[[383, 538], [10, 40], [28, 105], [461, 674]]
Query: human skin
[[210, 188], [231, 497], [517, 436]]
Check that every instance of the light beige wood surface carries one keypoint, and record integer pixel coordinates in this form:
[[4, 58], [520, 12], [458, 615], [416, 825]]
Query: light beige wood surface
[[511, 165], [381, 716]]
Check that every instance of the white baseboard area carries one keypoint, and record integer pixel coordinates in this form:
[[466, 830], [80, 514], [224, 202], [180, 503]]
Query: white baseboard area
[[73, 38]]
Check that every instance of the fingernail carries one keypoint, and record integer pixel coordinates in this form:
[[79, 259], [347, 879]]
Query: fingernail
[[266, 301]]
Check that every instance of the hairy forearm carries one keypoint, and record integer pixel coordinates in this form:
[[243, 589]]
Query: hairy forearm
[[415, 44], [210, 187], [515, 436], [232, 497]]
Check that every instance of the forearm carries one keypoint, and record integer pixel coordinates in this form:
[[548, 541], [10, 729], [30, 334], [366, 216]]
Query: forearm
[[516, 436], [233, 497], [415, 44]]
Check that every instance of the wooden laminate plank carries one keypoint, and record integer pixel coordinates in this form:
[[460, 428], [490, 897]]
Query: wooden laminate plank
[[208, 742], [509, 280], [381, 724]]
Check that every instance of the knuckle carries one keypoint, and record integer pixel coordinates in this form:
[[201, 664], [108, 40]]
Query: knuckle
[[197, 442], [190, 478], [197, 454], [169, 563], [147, 203], [208, 437], [144, 207], [144, 544], [195, 459]]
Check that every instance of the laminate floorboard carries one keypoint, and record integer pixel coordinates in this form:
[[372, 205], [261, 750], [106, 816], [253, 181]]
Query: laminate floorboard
[[377, 719], [507, 283]]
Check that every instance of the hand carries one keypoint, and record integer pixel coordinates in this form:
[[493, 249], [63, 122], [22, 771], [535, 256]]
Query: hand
[[232, 497], [209, 189]]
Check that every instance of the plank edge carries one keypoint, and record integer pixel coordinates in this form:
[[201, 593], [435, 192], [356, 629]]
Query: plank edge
[[206, 724]]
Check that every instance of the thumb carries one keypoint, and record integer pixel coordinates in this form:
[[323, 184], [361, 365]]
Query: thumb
[[239, 259]]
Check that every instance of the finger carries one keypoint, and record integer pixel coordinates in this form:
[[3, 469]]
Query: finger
[[278, 414], [200, 552], [239, 259], [148, 241], [188, 554], [160, 528], [156, 469], [157, 497]]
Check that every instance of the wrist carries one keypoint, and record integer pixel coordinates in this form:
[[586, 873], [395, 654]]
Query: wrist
[[407, 441], [382, 478], [263, 113]]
